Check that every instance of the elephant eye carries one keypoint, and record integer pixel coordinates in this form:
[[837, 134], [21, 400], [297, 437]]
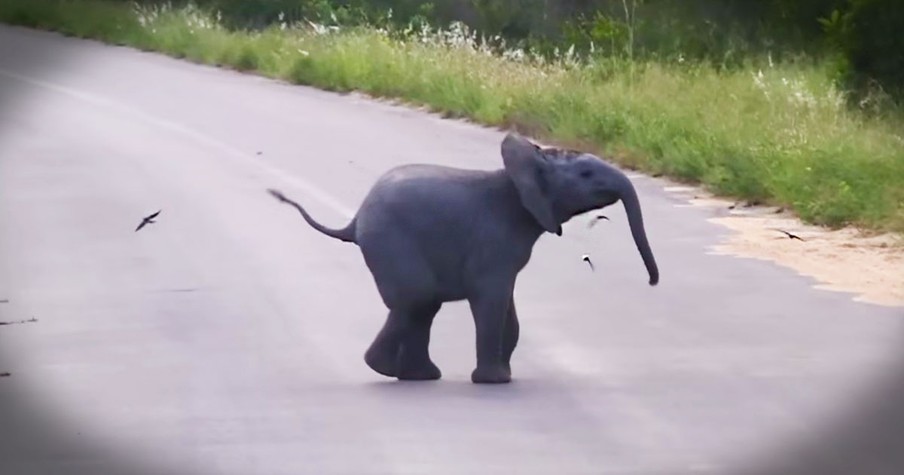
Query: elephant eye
[[586, 174]]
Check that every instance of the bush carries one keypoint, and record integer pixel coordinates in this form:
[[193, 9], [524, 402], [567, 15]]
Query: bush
[[869, 36]]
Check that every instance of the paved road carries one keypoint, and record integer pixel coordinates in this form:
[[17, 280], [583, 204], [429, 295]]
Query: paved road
[[228, 337]]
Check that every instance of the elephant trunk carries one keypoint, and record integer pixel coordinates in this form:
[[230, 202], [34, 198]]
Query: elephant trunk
[[635, 221]]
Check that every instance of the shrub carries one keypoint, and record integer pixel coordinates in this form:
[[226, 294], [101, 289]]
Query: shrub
[[870, 37]]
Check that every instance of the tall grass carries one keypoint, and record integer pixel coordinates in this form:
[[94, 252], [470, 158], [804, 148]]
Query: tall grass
[[769, 132]]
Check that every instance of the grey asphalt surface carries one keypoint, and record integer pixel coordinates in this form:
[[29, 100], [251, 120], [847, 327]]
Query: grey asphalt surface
[[228, 337]]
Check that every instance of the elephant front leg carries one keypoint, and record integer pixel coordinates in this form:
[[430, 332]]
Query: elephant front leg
[[510, 335], [490, 313]]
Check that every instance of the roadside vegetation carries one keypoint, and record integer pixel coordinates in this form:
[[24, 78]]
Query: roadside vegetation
[[759, 122]]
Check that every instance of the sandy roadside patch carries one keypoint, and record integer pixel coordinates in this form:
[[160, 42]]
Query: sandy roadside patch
[[847, 260]]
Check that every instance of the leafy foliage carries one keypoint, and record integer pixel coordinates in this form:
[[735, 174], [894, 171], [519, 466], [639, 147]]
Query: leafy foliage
[[869, 34]]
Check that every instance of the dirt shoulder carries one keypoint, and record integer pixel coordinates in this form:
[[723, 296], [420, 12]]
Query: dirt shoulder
[[846, 260]]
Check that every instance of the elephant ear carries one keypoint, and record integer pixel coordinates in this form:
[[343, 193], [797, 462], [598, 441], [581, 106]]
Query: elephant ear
[[524, 164]]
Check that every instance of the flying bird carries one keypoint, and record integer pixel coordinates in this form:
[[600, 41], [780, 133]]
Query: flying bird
[[594, 221], [20, 322], [586, 258], [147, 220], [790, 236]]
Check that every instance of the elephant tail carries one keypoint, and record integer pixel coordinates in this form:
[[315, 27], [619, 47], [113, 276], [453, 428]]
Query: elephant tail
[[346, 234]]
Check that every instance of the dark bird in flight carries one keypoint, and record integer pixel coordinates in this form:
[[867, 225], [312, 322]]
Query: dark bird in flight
[[586, 258], [594, 221], [5, 375], [147, 220], [20, 322], [790, 236]]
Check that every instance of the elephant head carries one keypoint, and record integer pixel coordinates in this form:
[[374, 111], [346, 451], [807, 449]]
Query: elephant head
[[556, 185]]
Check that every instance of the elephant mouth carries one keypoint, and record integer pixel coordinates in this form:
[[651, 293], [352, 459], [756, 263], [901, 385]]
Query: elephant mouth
[[605, 198], [599, 200]]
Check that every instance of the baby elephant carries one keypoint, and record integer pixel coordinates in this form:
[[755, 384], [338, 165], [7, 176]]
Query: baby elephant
[[432, 234]]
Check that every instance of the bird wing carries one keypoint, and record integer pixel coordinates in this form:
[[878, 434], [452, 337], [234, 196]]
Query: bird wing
[[154, 215], [595, 220]]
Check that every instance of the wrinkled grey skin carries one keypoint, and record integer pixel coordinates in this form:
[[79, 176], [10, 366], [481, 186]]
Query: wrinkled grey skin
[[432, 234]]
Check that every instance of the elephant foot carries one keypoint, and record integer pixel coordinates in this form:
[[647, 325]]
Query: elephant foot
[[492, 374], [381, 362], [423, 372]]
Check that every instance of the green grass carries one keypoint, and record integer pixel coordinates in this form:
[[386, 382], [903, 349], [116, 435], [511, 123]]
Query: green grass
[[771, 133]]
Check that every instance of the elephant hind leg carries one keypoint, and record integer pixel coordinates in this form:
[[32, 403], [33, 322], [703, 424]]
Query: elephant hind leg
[[401, 348], [382, 355], [414, 357], [407, 286]]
